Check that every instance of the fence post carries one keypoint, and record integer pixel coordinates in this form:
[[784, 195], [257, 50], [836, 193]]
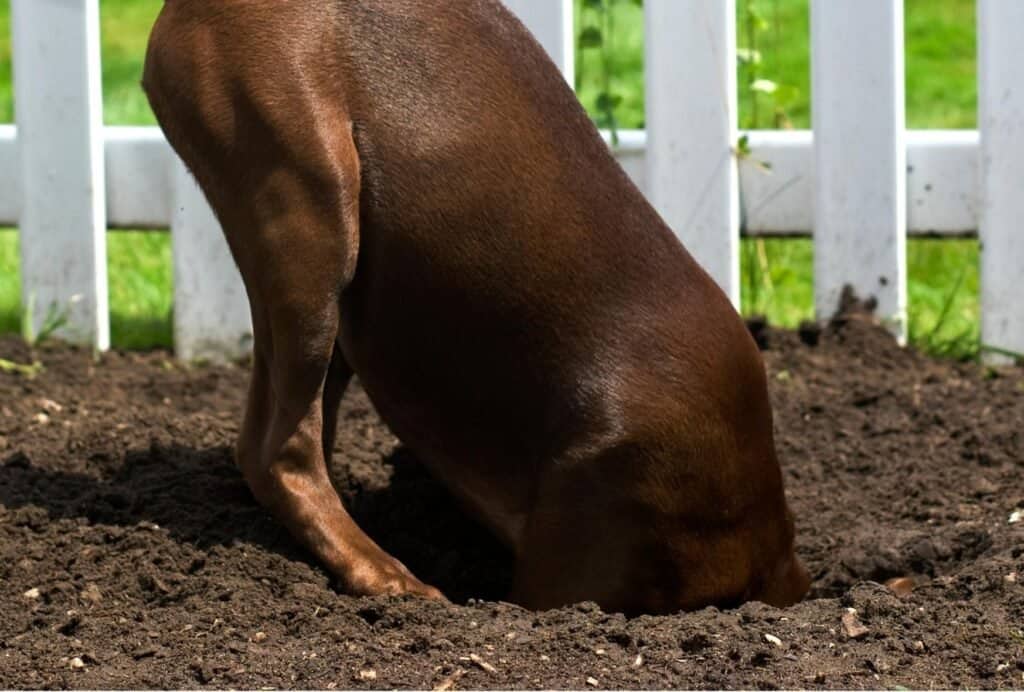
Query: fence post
[[860, 227], [1001, 123], [211, 309], [62, 222], [692, 177], [551, 22]]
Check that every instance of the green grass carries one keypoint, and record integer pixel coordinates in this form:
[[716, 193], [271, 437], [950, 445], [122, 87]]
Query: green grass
[[125, 28], [784, 46], [941, 66], [940, 62], [10, 284], [941, 92], [140, 281], [942, 283], [776, 279], [942, 287], [624, 52]]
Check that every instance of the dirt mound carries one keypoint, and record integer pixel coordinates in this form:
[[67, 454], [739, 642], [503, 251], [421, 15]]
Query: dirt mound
[[132, 555]]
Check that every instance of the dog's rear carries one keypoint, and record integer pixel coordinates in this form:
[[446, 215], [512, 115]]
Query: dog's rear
[[412, 193]]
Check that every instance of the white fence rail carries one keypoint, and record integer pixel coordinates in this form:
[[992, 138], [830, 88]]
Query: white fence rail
[[859, 183]]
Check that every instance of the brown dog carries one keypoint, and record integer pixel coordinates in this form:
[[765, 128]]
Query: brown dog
[[413, 194]]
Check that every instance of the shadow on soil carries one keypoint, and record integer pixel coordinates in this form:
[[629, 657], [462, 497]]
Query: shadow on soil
[[198, 497]]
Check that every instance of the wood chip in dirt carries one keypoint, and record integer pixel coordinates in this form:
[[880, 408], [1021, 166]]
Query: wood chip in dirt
[[482, 664]]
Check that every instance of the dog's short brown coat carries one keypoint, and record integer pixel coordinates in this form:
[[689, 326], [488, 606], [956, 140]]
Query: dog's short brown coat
[[413, 194]]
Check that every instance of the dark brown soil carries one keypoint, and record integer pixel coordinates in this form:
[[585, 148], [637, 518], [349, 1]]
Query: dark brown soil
[[132, 555]]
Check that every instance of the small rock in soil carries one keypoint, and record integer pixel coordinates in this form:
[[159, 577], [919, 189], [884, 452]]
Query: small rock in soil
[[91, 594], [983, 487], [51, 405], [368, 674], [70, 625], [852, 626], [202, 672], [144, 652]]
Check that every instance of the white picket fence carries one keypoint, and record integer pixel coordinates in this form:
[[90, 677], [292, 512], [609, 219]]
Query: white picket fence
[[859, 182]]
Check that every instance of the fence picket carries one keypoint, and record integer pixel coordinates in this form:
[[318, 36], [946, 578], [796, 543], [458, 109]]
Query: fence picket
[[1001, 122], [551, 22], [211, 309], [691, 172], [62, 219], [860, 155]]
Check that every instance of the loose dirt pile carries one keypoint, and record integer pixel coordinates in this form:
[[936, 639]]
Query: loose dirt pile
[[132, 555]]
